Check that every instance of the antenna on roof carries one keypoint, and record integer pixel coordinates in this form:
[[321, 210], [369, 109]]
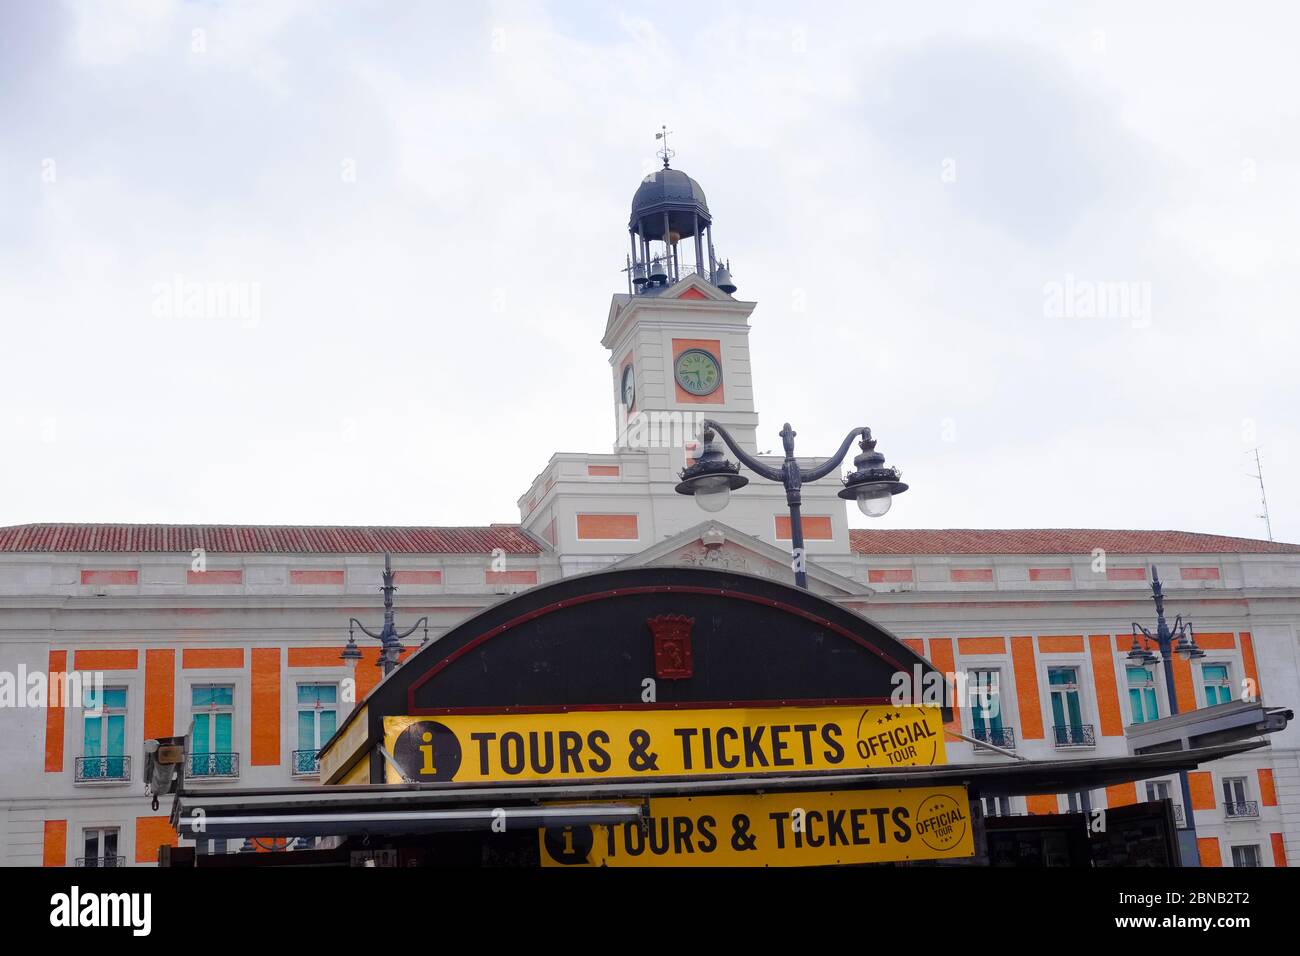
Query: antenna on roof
[[664, 152], [1262, 496]]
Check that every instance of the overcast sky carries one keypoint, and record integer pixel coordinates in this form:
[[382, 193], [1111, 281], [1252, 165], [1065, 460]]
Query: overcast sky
[[430, 200]]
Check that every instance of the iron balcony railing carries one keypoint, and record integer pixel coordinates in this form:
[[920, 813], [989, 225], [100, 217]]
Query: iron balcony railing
[[1004, 737], [112, 769], [1247, 808], [306, 763], [213, 766], [1178, 816], [1074, 735], [100, 861]]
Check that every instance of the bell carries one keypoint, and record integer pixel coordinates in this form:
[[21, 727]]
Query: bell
[[722, 279], [658, 270], [638, 274]]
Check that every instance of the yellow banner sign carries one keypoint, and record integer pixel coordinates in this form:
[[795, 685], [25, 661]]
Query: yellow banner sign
[[585, 745], [777, 829]]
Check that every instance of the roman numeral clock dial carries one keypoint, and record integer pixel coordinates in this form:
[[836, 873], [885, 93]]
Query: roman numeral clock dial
[[698, 372]]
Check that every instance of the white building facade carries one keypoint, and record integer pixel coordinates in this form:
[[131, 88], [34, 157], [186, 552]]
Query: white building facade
[[234, 634]]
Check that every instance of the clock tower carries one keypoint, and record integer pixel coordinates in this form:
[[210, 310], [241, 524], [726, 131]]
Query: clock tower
[[678, 341]]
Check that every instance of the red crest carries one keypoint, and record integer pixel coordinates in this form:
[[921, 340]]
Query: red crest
[[672, 635]]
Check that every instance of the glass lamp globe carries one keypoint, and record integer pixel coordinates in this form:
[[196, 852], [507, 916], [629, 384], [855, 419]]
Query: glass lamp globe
[[713, 493], [874, 502]]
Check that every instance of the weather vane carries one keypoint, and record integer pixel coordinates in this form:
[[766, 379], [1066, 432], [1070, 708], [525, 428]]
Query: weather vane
[[665, 153]]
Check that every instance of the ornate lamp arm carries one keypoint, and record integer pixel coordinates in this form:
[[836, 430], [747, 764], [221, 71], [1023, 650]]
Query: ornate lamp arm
[[746, 459], [411, 630], [830, 464], [353, 622]]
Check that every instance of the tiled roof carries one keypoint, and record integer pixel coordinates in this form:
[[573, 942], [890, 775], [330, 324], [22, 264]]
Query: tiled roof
[[1054, 541], [264, 539]]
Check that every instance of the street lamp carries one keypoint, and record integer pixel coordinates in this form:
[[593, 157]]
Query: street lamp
[[389, 638], [712, 479], [1178, 639]]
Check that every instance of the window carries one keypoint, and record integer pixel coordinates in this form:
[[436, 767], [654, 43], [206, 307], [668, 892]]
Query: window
[[317, 721], [1157, 790], [997, 806], [1067, 715], [101, 847], [986, 708], [1218, 688], [104, 735], [1142, 694], [211, 749], [1235, 803], [1245, 855]]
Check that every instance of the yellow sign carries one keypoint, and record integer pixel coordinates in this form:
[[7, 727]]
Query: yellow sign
[[777, 829], [585, 745]]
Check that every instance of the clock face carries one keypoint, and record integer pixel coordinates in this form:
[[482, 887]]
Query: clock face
[[698, 372], [629, 386]]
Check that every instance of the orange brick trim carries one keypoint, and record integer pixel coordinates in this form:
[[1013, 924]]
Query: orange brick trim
[[1040, 803], [1121, 795], [1050, 574], [55, 714], [1026, 670], [222, 576], [159, 692], [424, 576], [315, 577], [1103, 678], [1060, 645], [150, 834], [941, 657], [603, 471], [109, 576], [266, 706], [1209, 850], [968, 575], [106, 660], [1279, 849], [1201, 784], [1267, 790], [314, 657], [916, 644], [1199, 574], [889, 575], [54, 848], [509, 577], [1126, 574], [981, 645], [196, 658], [597, 527], [1248, 660], [815, 528]]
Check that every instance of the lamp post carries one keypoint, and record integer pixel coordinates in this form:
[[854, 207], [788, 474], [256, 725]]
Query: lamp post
[[389, 637], [1178, 639], [713, 478]]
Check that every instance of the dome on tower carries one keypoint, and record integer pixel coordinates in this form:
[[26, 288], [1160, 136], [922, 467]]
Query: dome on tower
[[668, 191]]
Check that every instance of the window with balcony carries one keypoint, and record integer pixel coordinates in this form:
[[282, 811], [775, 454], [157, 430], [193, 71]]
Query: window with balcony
[[212, 754], [1246, 855], [1217, 684], [103, 751], [1142, 694], [100, 848], [1236, 804], [1163, 790], [317, 721], [986, 710], [1068, 728]]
